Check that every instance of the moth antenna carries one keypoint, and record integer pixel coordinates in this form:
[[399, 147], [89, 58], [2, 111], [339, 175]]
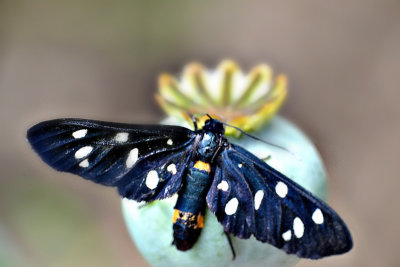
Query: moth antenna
[[193, 120], [265, 142]]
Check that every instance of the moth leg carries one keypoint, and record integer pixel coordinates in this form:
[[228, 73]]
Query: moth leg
[[142, 205], [230, 245], [266, 158], [220, 146]]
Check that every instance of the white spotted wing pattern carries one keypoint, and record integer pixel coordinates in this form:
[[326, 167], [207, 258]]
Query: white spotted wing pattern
[[251, 198], [109, 153], [149, 162]]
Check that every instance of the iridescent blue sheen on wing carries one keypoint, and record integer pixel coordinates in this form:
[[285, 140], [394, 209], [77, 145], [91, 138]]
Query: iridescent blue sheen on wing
[[109, 153], [273, 208], [149, 162]]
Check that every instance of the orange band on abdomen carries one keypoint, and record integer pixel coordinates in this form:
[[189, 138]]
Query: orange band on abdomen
[[203, 166], [175, 216], [200, 221], [188, 219]]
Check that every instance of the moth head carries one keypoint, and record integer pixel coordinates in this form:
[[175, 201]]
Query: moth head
[[214, 126]]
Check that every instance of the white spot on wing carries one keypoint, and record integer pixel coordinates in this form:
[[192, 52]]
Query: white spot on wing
[[318, 217], [240, 165], [258, 199], [83, 152], [132, 158], [281, 189], [170, 142], [152, 179], [121, 137], [231, 206], [287, 235], [84, 163], [172, 168], [298, 227], [80, 133], [223, 185]]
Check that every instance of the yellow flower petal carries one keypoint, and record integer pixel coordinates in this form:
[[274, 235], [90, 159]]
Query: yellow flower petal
[[169, 90], [245, 101], [258, 86]]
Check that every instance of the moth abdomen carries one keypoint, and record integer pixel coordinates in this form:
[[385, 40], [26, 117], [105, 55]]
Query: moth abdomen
[[188, 218], [187, 227]]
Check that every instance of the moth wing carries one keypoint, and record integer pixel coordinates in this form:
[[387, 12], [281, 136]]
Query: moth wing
[[116, 154], [229, 198], [273, 208]]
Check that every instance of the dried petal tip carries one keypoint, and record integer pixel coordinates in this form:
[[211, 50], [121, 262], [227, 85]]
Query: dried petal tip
[[247, 101]]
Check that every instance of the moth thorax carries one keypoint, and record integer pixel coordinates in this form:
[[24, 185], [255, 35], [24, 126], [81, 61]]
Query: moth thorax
[[208, 146]]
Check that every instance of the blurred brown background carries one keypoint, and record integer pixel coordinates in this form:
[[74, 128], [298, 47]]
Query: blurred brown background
[[100, 60]]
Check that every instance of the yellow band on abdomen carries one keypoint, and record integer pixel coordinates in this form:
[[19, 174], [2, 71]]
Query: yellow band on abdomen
[[203, 166], [189, 219]]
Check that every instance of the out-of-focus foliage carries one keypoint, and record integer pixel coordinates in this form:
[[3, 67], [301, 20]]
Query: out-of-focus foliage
[[49, 226]]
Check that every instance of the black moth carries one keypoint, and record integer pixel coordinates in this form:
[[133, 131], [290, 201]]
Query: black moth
[[150, 162]]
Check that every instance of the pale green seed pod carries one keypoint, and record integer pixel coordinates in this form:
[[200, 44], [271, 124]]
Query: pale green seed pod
[[150, 225]]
